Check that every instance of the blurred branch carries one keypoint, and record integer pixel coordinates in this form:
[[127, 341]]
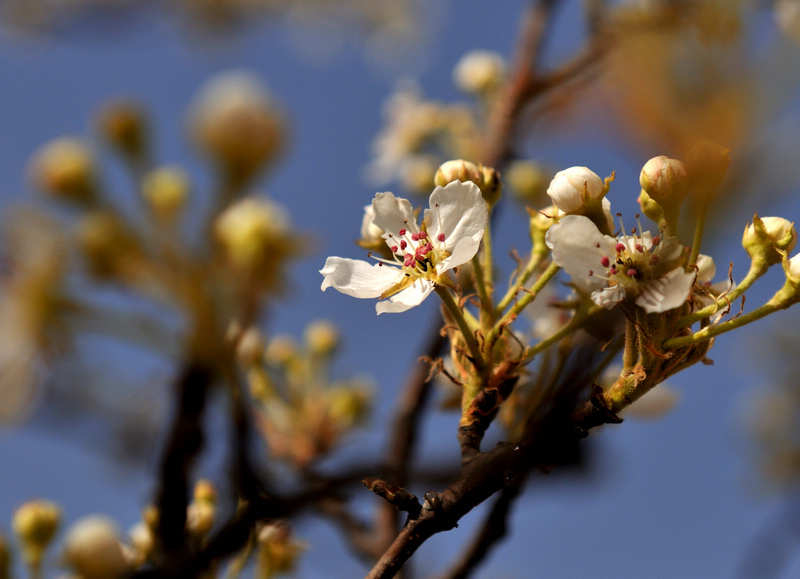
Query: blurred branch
[[185, 441]]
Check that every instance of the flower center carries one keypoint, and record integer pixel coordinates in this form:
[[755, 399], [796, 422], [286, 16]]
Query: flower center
[[632, 262], [417, 254]]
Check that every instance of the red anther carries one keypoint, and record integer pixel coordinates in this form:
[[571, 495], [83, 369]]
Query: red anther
[[639, 248], [422, 235], [403, 244], [620, 247], [394, 249], [605, 261], [402, 232], [415, 237], [440, 237], [409, 260], [632, 272], [656, 240]]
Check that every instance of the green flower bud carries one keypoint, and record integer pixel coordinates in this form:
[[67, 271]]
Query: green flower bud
[[767, 240], [65, 168], [166, 189], [122, 125], [321, 337], [35, 524]]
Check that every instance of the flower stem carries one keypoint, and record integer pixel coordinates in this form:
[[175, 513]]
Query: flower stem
[[698, 233], [756, 271], [458, 316], [629, 353], [521, 304], [533, 263], [576, 321], [781, 300]]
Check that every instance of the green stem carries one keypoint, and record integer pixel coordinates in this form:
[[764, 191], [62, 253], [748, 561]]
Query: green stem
[[533, 263], [466, 331], [698, 233], [709, 332], [483, 291], [629, 353], [521, 304], [756, 271], [576, 321]]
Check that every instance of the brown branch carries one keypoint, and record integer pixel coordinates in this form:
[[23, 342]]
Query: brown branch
[[184, 443], [494, 529]]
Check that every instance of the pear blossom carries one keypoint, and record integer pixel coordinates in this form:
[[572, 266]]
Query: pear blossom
[[569, 188], [640, 267], [450, 235]]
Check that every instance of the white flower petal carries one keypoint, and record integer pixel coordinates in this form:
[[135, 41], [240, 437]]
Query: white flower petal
[[578, 247], [464, 251], [706, 268], [358, 278], [608, 297], [458, 211], [410, 297], [393, 214], [666, 292]]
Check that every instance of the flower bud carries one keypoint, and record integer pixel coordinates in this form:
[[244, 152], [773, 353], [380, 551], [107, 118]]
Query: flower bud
[[65, 169], [108, 247], [166, 189], [278, 550], [201, 513], [793, 268], [573, 189], [93, 550], [651, 208], [281, 351], [706, 164], [143, 542], [235, 122], [321, 337], [122, 124], [416, 171], [250, 347], [486, 178], [528, 181], [768, 238], [457, 170], [479, 72], [664, 180], [348, 405], [35, 524], [255, 236]]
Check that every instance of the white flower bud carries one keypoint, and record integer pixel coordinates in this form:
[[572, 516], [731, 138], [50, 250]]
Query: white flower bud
[[457, 170], [569, 188], [664, 179], [235, 122], [93, 550], [479, 71], [766, 237], [793, 268]]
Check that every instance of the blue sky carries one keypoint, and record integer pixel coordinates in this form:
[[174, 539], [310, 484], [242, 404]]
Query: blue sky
[[671, 498]]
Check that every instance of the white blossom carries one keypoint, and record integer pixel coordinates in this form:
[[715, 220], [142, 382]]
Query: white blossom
[[450, 235], [642, 268], [568, 186]]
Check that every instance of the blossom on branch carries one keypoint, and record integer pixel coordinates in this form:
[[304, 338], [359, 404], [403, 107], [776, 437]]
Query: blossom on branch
[[450, 235], [643, 268]]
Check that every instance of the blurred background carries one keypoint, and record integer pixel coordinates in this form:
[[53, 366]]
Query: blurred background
[[707, 490]]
